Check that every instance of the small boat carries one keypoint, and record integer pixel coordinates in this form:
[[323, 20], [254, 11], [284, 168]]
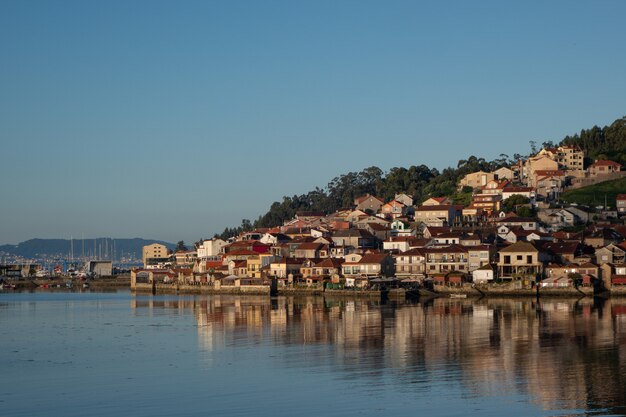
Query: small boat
[[85, 285], [458, 295], [69, 284]]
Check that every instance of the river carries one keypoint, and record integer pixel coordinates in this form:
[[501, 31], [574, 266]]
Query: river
[[104, 354]]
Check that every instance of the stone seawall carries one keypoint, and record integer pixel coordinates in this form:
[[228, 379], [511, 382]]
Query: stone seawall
[[201, 289], [513, 291]]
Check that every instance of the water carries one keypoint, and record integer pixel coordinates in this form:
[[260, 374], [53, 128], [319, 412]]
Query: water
[[103, 354]]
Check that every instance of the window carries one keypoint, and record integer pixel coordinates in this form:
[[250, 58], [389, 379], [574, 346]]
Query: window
[[519, 257], [529, 259], [507, 259]]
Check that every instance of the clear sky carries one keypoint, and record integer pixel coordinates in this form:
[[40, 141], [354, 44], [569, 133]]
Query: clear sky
[[172, 120]]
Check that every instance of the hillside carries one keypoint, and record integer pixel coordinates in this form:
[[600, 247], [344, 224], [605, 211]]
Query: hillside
[[594, 195], [422, 182], [101, 247]]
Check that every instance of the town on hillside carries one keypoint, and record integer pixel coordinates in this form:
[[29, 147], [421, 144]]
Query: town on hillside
[[513, 231]]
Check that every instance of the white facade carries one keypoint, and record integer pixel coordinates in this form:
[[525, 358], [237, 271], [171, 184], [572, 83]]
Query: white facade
[[210, 248]]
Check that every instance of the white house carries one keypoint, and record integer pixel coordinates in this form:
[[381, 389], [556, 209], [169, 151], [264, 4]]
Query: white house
[[483, 275]]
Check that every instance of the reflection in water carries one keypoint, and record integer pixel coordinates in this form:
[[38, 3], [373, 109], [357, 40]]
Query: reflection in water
[[562, 354]]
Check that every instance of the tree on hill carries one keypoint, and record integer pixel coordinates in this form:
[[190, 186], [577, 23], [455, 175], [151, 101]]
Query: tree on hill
[[608, 142], [180, 246]]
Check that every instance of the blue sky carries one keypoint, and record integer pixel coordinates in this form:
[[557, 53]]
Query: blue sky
[[172, 120]]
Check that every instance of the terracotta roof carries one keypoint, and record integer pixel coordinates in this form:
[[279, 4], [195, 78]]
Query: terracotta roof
[[378, 227], [517, 189], [373, 258], [361, 199], [412, 252], [446, 249], [436, 208], [240, 252], [604, 162], [561, 247], [310, 246], [330, 263], [550, 172], [519, 247]]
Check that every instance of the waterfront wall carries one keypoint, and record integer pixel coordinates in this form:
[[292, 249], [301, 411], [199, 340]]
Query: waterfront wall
[[513, 290]]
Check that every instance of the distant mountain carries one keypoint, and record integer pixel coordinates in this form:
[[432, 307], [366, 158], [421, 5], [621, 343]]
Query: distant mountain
[[98, 247]]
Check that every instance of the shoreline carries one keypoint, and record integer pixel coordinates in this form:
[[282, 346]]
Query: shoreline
[[465, 291]]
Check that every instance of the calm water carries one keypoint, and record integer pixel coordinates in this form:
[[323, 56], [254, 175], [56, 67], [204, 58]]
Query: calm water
[[104, 354]]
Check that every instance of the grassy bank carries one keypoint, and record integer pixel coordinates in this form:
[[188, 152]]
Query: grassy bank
[[594, 195]]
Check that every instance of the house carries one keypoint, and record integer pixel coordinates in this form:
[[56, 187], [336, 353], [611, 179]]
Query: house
[[239, 255], [274, 238], [238, 268], [603, 167], [479, 256], [505, 173], [525, 223], [284, 267], [436, 201], [556, 282], [411, 263], [588, 272], [401, 228], [405, 199], [536, 164], [602, 237], [186, 257], [611, 254], [257, 265], [381, 232], [563, 252], [326, 268], [448, 238], [369, 265], [250, 245], [309, 216], [357, 238], [439, 214], [528, 192], [311, 250], [472, 215], [472, 239], [549, 184], [446, 259], [487, 203], [393, 209], [519, 261], [494, 187], [368, 203], [155, 256], [210, 248], [476, 179], [571, 157], [619, 276], [620, 203], [557, 218], [483, 275], [398, 243]]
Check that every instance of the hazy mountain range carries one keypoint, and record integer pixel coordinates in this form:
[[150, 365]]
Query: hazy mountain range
[[103, 248]]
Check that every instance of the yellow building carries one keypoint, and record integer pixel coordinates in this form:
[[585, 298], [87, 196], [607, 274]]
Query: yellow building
[[154, 254]]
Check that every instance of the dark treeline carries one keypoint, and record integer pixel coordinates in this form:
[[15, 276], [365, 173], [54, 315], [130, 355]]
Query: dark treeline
[[608, 142], [423, 182]]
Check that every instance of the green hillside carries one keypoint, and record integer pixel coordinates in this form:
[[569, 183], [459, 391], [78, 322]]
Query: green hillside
[[594, 195]]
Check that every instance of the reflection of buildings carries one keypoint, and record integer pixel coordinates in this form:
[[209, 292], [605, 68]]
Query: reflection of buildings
[[563, 354]]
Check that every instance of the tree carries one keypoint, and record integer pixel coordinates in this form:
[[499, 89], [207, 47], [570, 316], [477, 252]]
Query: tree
[[515, 202], [180, 246]]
